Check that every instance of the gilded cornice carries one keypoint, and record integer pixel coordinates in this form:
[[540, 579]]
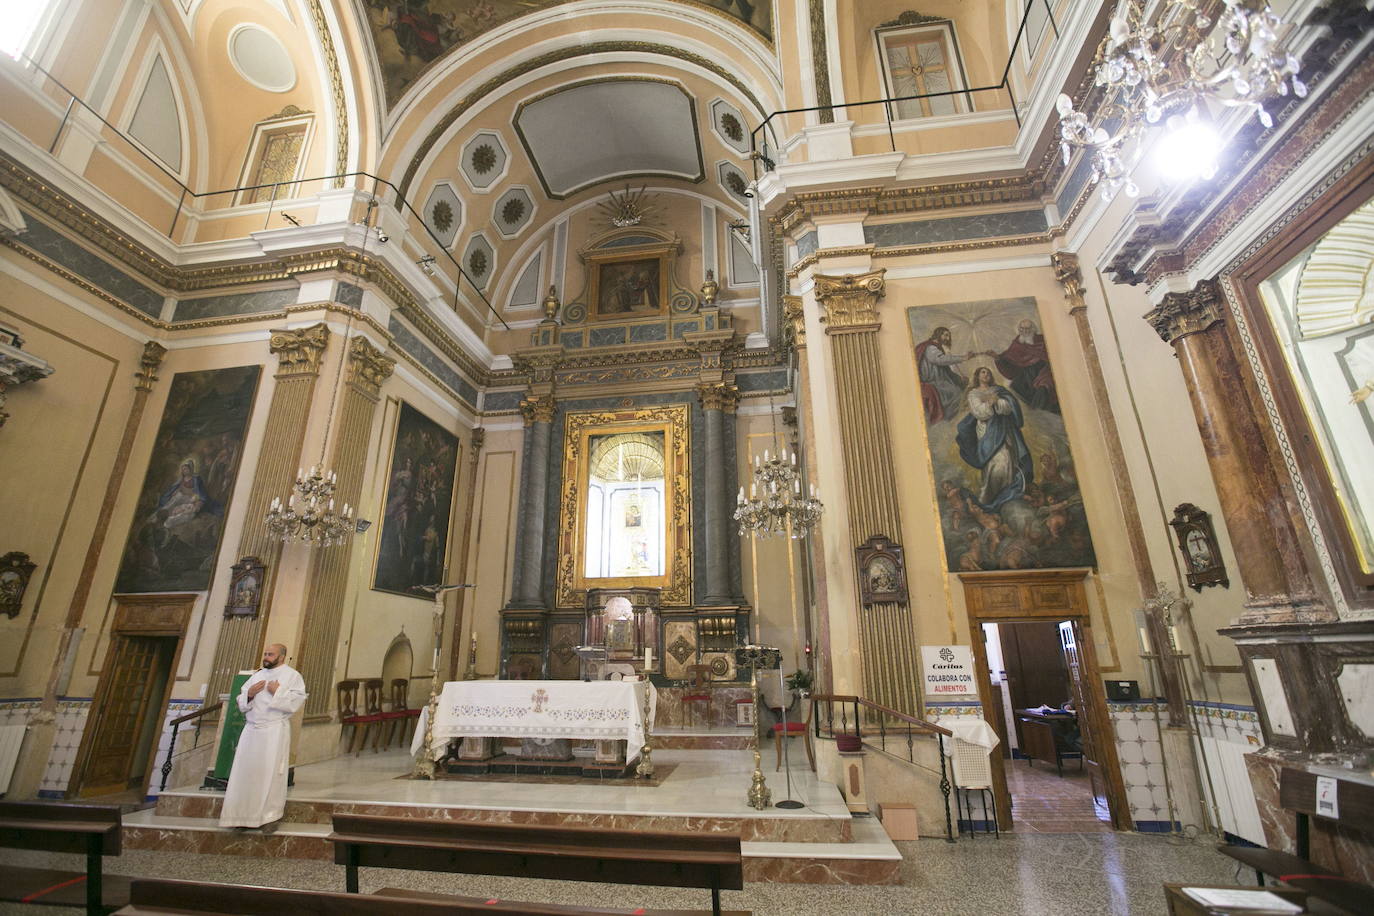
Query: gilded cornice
[[86, 226], [368, 367], [1181, 314], [794, 322], [531, 64], [148, 363], [336, 89], [299, 350], [718, 397], [850, 301], [1067, 272]]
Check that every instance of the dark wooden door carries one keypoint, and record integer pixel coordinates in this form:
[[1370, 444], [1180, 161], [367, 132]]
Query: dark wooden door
[[135, 663], [1036, 671], [1087, 726]]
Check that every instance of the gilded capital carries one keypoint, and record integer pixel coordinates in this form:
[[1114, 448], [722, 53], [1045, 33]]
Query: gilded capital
[[794, 321], [368, 368], [1067, 272], [148, 363], [718, 397], [479, 438], [299, 350], [538, 409], [1181, 314], [850, 300]]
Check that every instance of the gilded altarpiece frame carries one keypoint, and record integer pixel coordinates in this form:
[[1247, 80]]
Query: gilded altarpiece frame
[[674, 422]]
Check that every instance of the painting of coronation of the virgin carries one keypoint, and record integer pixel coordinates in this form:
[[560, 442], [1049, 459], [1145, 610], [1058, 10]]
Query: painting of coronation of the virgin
[[419, 502], [180, 513], [411, 34], [1004, 475]]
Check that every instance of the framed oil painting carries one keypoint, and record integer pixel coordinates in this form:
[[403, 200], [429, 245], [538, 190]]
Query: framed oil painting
[[629, 284], [1005, 478], [882, 572], [246, 579], [419, 504], [190, 480]]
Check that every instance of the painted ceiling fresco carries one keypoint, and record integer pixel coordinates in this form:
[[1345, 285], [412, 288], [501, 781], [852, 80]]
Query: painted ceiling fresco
[[410, 35]]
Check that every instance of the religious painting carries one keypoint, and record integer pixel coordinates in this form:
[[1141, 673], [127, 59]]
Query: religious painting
[[1197, 541], [181, 508], [15, 570], [410, 35], [1005, 477], [245, 588], [419, 503], [882, 572], [635, 287]]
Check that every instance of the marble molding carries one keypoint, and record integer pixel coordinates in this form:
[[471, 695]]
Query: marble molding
[[228, 843], [957, 228], [822, 871], [411, 344], [751, 829], [672, 712]]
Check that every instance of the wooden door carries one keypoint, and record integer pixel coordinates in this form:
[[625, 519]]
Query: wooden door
[[1092, 742], [1035, 666], [133, 663]]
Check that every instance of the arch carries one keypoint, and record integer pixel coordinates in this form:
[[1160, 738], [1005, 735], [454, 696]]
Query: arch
[[399, 660]]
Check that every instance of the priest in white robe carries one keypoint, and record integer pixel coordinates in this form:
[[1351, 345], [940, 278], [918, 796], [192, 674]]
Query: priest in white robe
[[256, 794]]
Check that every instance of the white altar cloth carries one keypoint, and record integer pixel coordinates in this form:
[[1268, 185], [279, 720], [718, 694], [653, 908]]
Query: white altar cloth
[[600, 710]]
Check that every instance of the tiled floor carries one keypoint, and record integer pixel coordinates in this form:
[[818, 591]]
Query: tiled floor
[[1033, 874], [1044, 802]]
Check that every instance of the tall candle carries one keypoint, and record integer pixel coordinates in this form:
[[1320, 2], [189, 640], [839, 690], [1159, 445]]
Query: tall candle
[[648, 658], [1145, 641]]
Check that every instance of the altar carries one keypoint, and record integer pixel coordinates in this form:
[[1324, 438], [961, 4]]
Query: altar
[[548, 716]]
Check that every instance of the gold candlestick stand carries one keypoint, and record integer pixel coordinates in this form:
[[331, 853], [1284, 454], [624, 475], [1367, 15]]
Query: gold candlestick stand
[[756, 657], [645, 769]]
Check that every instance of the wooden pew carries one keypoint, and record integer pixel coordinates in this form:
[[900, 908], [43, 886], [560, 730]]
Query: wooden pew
[[536, 851], [55, 827], [1298, 793], [159, 896]]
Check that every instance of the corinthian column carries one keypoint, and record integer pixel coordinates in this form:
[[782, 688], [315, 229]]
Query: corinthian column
[[299, 352], [887, 642], [367, 370], [716, 401], [527, 591], [1268, 552]]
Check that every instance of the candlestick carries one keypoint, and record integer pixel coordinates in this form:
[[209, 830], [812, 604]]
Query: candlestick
[[1145, 641]]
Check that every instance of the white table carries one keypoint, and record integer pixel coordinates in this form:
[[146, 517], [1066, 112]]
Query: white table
[[597, 710]]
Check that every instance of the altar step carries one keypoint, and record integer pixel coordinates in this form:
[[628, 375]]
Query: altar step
[[867, 856]]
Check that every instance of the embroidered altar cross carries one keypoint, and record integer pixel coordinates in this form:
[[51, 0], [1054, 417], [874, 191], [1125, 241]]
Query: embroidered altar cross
[[540, 697]]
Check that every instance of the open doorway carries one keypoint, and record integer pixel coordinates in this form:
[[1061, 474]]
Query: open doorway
[[1051, 786]]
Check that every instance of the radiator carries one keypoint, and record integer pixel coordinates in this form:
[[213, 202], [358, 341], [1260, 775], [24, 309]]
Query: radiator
[[1235, 796], [11, 739]]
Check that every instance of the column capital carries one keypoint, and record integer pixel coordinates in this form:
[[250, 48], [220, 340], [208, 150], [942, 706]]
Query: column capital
[[299, 350], [148, 363], [368, 368], [538, 409], [850, 300], [1070, 276], [718, 396], [1181, 314], [479, 439], [794, 321]]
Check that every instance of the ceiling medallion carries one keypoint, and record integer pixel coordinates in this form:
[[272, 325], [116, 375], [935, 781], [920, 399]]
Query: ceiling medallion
[[627, 208]]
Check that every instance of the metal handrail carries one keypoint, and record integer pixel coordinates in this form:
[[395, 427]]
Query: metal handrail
[[878, 726], [186, 191], [172, 744], [758, 156]]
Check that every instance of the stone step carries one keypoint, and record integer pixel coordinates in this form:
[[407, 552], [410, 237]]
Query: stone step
[[868, 858], [205, 806]]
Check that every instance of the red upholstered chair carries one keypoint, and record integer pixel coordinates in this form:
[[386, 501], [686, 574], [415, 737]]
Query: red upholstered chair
[[793, 729], [400, 713], [349, 715], [699, 689]]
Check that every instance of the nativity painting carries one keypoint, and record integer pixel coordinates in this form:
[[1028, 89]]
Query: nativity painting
[[410, 35], [1004, 474], [186, 491]]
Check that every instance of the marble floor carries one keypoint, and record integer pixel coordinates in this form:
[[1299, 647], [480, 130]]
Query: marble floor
[[1033, 874]]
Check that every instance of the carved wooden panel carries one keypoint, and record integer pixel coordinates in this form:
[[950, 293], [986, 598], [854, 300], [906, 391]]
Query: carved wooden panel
[[679, 648], [1054, 593], [563, 661], [167, 614]]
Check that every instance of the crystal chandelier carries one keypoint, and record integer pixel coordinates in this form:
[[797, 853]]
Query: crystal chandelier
[[308, 515], [1171, 69], [776, 503]]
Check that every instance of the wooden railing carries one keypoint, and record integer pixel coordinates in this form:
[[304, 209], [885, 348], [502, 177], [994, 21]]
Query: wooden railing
[[172, 745], [835, 716]]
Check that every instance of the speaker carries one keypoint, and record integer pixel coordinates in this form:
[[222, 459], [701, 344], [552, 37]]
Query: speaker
[[1123, 690]]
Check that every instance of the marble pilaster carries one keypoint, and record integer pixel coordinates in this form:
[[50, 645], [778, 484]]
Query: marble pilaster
[[527, 591], [716, 401]]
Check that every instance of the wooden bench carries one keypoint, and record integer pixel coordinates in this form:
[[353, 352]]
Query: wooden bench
[[54, 827], [1298, 793], [150, 896], [536, 851]]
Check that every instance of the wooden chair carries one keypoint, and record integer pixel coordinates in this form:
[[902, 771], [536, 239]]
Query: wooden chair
[[400, 713], [699, 683], [348, 712], [793, 729]]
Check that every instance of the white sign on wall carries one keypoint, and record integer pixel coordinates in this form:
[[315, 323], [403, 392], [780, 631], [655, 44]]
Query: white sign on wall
[[947, 671]]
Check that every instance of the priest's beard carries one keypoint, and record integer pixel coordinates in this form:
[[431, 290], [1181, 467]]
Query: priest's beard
[[267, 664]]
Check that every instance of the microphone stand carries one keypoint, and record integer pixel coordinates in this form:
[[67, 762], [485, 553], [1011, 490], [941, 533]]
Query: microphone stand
[[424, 764], [789, 801]]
